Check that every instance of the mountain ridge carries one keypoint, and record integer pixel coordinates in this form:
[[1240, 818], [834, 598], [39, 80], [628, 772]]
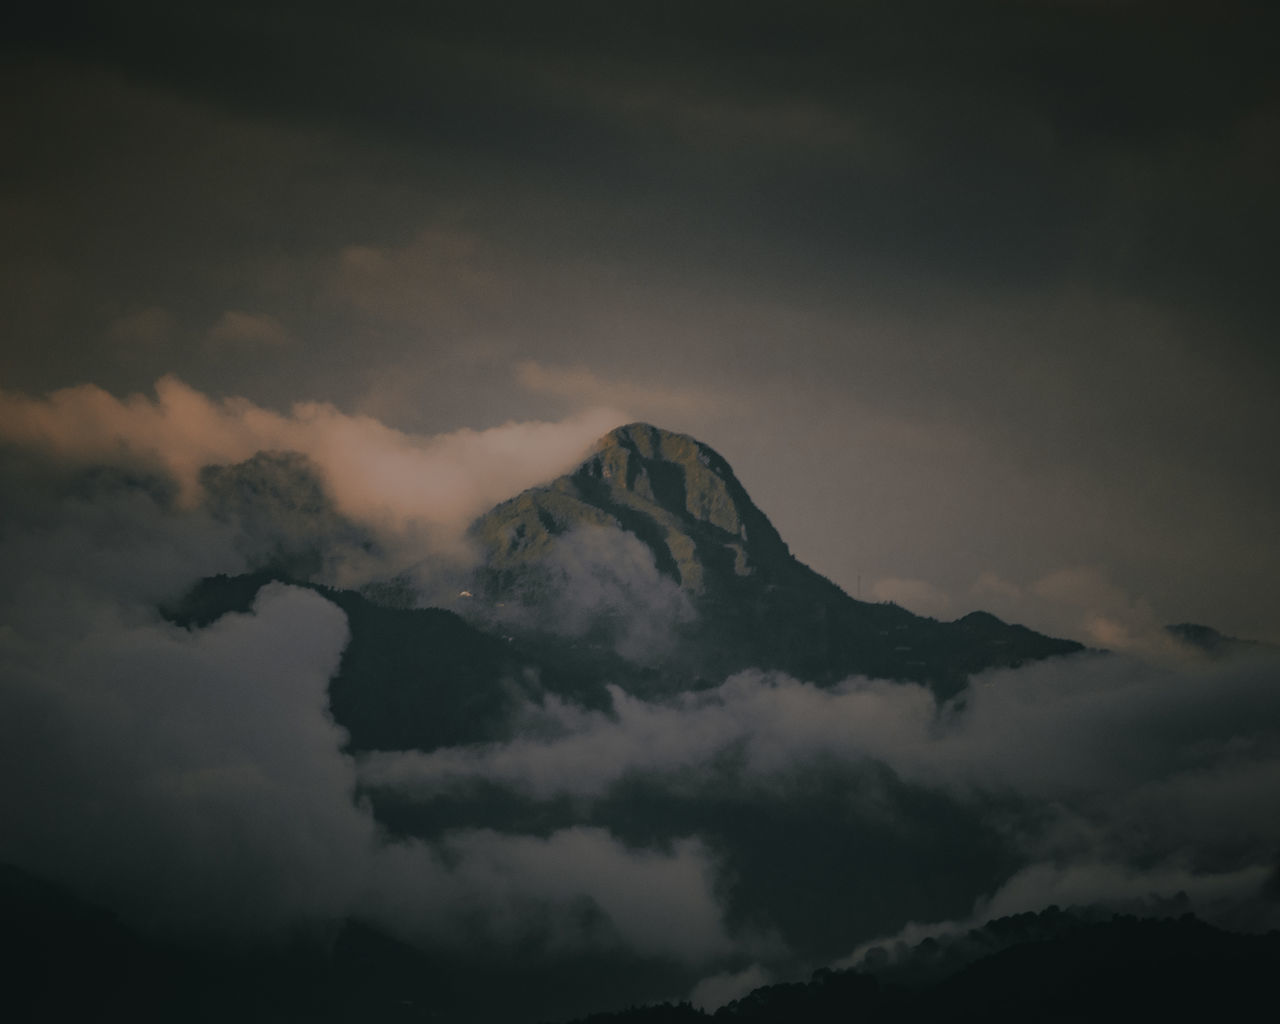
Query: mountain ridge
[[681, 500]]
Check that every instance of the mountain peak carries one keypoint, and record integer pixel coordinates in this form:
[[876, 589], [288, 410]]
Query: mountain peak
[[676, 495], [653, 442], [678, 473]]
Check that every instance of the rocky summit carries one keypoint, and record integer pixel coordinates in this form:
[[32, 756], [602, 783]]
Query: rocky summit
[[676, 495], [643, 491]]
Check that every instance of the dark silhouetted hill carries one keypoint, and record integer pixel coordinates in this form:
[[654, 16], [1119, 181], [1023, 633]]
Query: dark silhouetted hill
[[1053, 966], [409, 678]]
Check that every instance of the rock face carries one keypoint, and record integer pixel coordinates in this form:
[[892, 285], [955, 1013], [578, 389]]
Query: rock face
[[675, 494], [753, 603], [695, 493]]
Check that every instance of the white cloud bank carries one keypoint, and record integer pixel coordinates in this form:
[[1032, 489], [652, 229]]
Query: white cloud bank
[[1115, 773], [376, 475]]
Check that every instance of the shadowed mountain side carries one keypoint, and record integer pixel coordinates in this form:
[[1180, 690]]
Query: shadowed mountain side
[[409, 678], [755, 604]]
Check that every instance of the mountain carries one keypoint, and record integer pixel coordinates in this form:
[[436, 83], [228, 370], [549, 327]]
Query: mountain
[[648, 568], [714, 555]]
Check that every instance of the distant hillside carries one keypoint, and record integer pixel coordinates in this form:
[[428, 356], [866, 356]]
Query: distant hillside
[[1210, 641], [1052, 966]]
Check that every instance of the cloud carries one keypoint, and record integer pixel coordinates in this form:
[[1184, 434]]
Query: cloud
[[583, 386], [1087, 883], [1111, 618], [599, 584], [189, 780], [778, 721], [577, 889], [195, 782], [445, 277], [149, 327], [1084, 603], [919, 596], [377, 475], [238, 328], [1094, 759]]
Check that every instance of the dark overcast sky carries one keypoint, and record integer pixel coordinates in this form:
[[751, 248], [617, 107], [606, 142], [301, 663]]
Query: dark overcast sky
[[978, 298]]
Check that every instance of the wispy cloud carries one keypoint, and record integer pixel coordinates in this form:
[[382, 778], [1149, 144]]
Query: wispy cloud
[[919, 596], [1096, 760], [582, 386], [151, 326], [444, 277], [376, 474], [1081, 602], [236, 327]]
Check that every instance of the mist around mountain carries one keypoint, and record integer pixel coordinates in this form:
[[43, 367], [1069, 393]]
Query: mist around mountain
[[610, 746]]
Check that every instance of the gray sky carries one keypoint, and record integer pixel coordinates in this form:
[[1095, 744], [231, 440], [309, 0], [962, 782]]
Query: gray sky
[[978, 299]]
